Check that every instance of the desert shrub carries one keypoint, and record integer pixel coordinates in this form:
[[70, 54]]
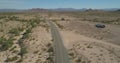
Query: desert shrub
[[49, 45], [118, 19], [34, 22], [23, 51], [2, 39], [35, 52], [11, 59], [50, 60], [13, 48], [71, 54], [63, 19], [51, 54], [78, 59], [2, 17], [52, 39], [50, 49], [28, 30], [59, 25], [13, 18], [15, 51], [1, 30], [21, 44], [95, 20], [16, 31], [89, 46], [26, 34], [38, 61], [5, 43], [19, 61], [20, 28]]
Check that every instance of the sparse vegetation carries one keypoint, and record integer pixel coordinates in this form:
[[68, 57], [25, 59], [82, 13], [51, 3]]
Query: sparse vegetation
[[5, 43], [51, 54], [20, 60], [2, 17], [71, 54], [16, 31], [13, 18], [20, 27], [26, 34], [62, 19], [11, 59], [59, 25], [23, 51], [101, 17], [12, 48], [35, 52], [1, 30], [89, 46], [78, 60], [50, 49]]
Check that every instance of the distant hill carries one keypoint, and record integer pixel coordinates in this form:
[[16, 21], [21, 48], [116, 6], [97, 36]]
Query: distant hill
[[57, 9], [68, 9], [64, 9], [118, 10], [84, 9], [10, 10], [110, 9], [37, 10], [41, 10]]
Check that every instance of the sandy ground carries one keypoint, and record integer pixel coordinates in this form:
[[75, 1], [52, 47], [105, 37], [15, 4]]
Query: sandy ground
[[12, 53], [94, 51], [37, 46], [109, 34], [15, 49], [90, 44]]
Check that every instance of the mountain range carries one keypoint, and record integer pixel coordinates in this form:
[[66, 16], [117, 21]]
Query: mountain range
[[57, 9]]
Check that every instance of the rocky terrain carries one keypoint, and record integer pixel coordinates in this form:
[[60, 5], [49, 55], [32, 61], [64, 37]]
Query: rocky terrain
[[26, 37], [89, 44]]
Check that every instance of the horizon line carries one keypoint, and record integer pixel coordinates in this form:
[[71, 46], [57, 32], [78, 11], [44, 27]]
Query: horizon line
[[60, 8]]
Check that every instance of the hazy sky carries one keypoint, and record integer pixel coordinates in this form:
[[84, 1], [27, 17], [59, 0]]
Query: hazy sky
[[27, 4]]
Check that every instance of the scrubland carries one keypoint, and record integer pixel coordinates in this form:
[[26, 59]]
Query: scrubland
[[26, 37]]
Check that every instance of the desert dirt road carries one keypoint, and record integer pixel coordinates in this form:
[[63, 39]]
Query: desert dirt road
[[61, 55]]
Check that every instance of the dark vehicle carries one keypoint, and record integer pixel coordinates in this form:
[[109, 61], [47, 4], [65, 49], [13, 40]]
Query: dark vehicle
[[100, 25]]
